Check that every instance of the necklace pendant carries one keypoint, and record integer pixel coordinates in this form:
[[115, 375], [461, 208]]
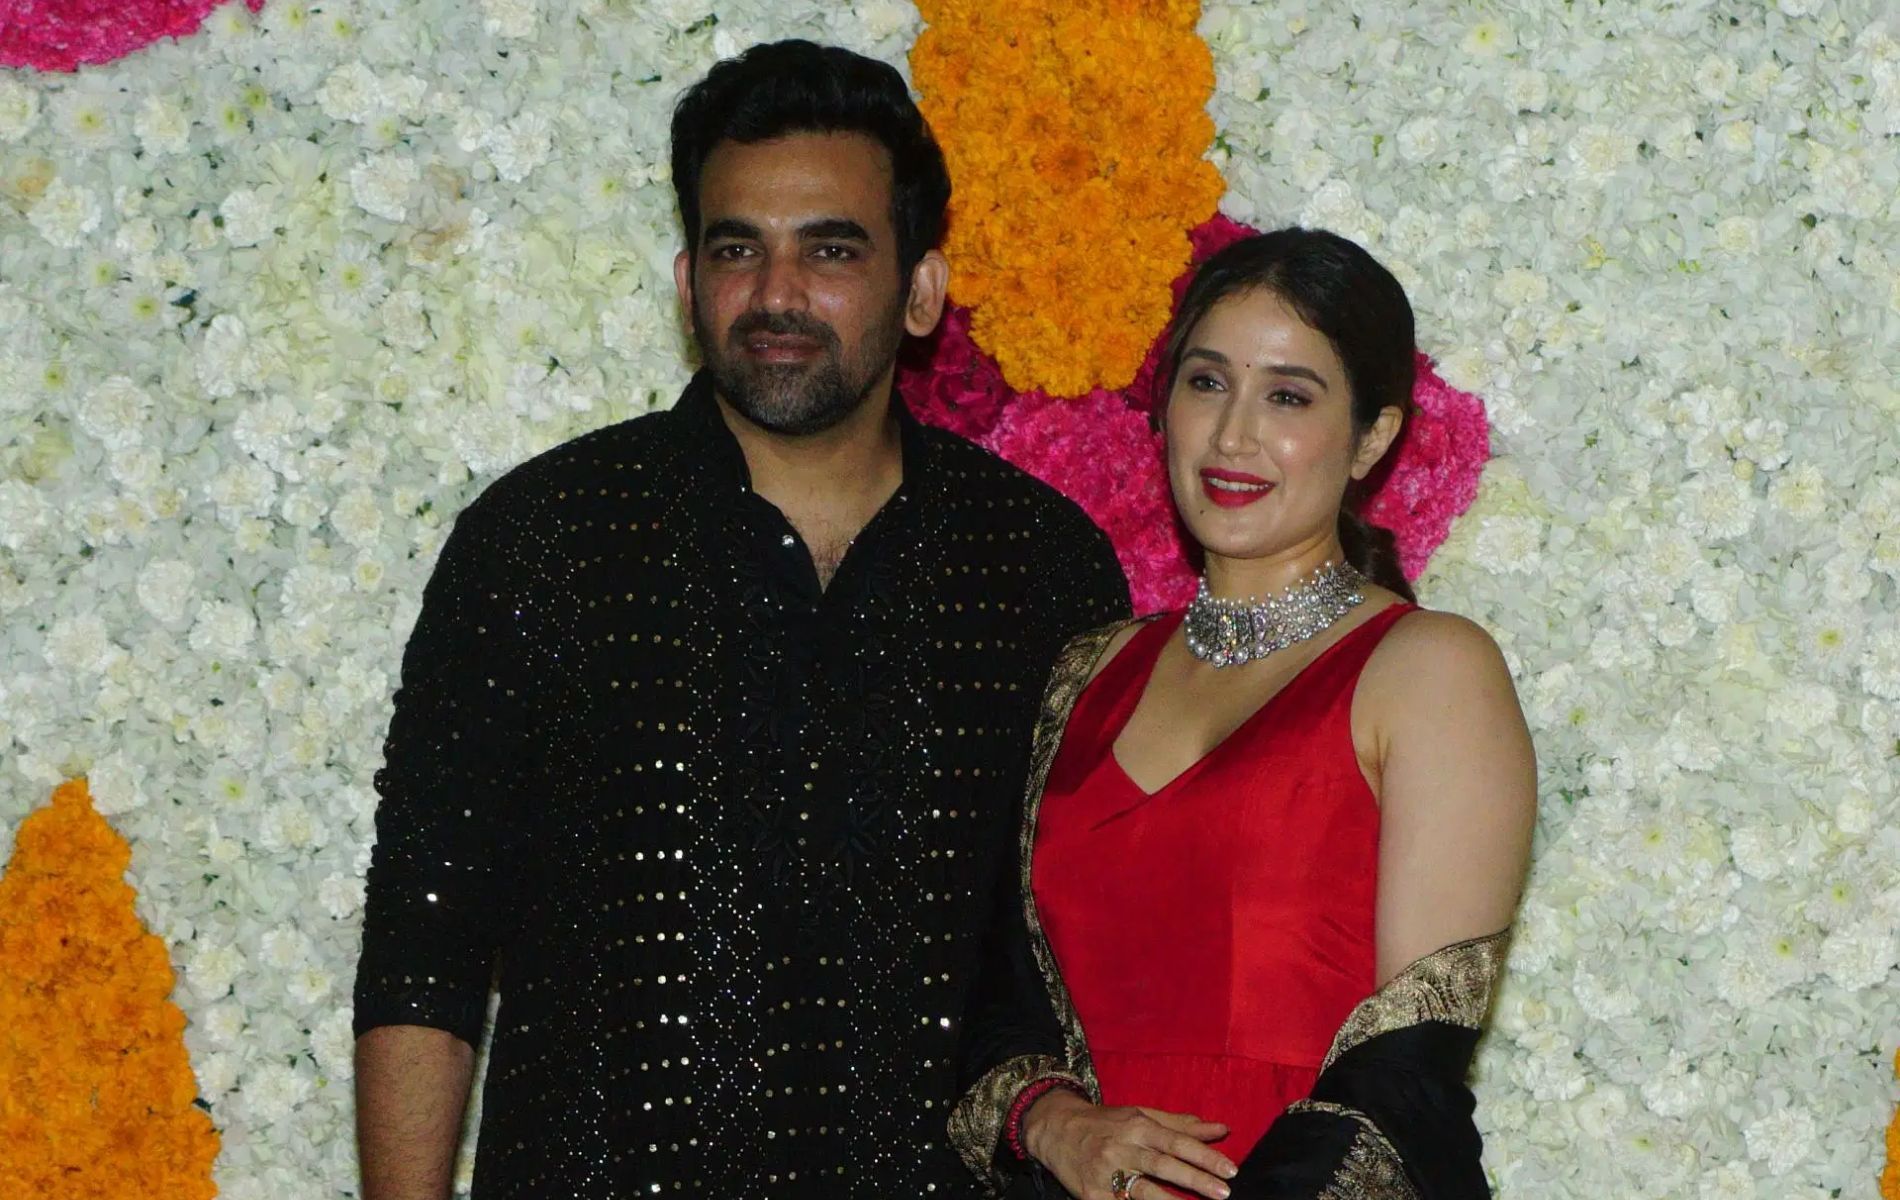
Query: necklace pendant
[[1231, 633]]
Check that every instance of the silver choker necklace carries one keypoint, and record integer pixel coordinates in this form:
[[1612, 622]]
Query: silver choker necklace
[[1228, 633]]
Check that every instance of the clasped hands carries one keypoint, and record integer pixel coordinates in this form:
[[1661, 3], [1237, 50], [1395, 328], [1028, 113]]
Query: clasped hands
[[1084, 1144]]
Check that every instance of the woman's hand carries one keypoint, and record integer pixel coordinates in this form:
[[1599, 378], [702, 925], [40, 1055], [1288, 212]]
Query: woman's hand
[[1084, 1144]]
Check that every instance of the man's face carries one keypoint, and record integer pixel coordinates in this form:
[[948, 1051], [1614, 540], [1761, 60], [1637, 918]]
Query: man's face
[[795, 294]]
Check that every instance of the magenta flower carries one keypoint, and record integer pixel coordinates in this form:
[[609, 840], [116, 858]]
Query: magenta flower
[[63, 35]]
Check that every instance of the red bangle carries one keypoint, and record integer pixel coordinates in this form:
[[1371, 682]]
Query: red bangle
[[1013, 1124]]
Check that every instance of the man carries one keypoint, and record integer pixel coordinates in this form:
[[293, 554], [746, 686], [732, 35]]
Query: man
[[712, 722]]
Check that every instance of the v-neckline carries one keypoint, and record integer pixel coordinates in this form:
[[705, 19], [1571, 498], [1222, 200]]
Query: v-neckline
[[1147, 677]]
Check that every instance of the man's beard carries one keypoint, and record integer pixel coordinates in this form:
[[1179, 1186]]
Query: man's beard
[[797, 399]]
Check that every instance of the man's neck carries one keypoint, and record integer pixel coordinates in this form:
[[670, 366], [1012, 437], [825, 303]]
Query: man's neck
[[829, 484]]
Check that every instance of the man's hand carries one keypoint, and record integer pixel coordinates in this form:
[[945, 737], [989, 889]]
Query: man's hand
[[1084, 1144], [411, 1092]]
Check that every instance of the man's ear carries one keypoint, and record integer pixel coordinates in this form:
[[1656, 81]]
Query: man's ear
[[929, 282], [683, 281], [1378, 439]]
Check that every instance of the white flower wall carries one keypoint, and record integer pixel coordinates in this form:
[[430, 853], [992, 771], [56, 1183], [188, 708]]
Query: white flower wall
[[277, 301]]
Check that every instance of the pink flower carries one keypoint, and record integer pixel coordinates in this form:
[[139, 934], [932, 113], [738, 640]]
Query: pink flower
[[62, 35], [1434, 476], [1098, 450], [1101, 454]]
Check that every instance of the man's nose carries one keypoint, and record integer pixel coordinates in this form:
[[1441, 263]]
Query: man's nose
[[781, 284]]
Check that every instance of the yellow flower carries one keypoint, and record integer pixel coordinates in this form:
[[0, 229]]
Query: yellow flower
[[96, 1090], [1075, 132]]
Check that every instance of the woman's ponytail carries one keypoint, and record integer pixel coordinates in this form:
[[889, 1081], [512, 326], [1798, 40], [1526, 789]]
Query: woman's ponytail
[[1373, 551]]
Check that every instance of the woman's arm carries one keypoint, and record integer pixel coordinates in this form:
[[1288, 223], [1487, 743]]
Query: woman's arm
[[1444, 745], [1453, 768]]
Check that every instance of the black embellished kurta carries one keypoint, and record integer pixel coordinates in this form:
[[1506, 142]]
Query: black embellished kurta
[[726, 842]]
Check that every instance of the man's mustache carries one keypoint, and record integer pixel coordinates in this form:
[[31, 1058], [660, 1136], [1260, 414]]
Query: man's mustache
[[785, 324]]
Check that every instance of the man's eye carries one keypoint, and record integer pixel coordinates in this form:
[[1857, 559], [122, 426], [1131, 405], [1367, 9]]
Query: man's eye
[[731, 251], [835, 252]]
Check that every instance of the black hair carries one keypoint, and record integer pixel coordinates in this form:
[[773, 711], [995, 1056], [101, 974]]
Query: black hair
[[1342, 292], [796, 86]]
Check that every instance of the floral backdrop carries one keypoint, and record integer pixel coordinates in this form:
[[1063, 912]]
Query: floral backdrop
[[280, 297]]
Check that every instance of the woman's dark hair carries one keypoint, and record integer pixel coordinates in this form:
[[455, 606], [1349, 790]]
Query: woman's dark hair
[[1339, 290], [796, 86]]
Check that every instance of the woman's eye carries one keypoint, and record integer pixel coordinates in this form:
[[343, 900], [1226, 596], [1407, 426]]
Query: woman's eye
[[1288, 399], [1203, 383]]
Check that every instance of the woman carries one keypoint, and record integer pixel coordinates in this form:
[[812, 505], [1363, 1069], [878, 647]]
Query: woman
[[1272, 843]]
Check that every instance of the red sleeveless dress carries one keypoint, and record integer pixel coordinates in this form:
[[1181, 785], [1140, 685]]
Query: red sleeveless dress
[[1214, 935]]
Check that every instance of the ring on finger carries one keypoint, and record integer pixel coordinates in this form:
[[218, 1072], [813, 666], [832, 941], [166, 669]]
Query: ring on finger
[[1121, 1184]]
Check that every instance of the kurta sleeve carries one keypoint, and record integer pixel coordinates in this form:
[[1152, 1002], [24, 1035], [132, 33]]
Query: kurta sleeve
[[458, 751]]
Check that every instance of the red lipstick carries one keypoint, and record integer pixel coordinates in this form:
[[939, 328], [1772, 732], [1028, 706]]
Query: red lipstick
[[1233, 489]]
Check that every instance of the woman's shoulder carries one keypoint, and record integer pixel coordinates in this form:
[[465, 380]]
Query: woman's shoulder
[[1441, 655]]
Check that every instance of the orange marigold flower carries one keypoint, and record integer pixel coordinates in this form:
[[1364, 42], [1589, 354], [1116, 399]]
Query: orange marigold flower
[[96, 1090], [1075, 132], [1890, 1177]]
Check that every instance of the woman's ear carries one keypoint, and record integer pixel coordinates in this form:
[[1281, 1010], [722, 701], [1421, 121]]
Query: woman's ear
[[1377, 440]]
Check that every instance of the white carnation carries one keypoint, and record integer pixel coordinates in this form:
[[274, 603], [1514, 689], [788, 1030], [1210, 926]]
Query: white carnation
[[1782, 1139], [351, 93], [114, 411], [273, 1091], [114, 783], [381, 185], [290, 826], [1508, 545], [341, 895], [19, 109], [223, 630], [248, 217], [520, 146], [79, 644], [510, 18], [164, 588], [1880, 662], [1718, 506], [1861, 955], [358, 518], [405, 320], [307, 985], [282, 949], [212, 968], [1421, 140], [241, 490], [224, 355], [24, 513], [162, 127], [65, 214]]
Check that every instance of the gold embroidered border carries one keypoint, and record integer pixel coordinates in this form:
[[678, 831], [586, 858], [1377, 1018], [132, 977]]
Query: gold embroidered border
[[1073, 669], [1371, 1169], [976, 1123], [1453, 985]]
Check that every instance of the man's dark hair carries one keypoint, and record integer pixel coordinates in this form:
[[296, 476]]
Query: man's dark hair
[[796, 86]]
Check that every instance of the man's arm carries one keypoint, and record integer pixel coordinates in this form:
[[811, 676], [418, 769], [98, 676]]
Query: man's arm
[[411, 1093], [455, 758]]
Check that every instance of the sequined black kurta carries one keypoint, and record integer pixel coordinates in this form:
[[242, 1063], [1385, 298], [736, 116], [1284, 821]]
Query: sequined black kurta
[[727, 842]]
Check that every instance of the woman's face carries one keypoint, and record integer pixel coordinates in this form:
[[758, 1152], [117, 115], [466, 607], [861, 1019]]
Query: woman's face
[[1259, 432]]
